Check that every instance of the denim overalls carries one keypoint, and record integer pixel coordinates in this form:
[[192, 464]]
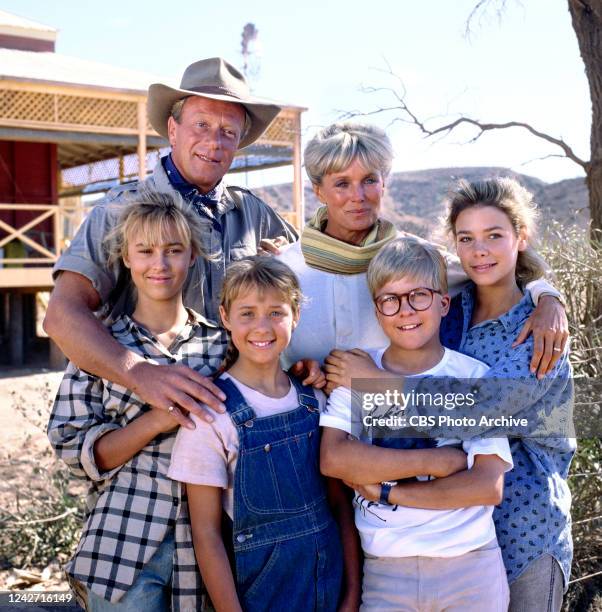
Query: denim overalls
[[287, 548]]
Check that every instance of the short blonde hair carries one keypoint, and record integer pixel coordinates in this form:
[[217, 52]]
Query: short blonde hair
[[333, 148], [516, 202], [261, 273], [407, 257], [153, 214]]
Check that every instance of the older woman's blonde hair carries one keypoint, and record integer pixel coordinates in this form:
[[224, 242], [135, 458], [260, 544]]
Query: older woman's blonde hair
[[516, 202], [408, 257], [154, 215], [334, 147]]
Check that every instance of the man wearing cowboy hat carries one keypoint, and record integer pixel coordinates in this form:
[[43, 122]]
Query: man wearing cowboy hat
[[206, 121]]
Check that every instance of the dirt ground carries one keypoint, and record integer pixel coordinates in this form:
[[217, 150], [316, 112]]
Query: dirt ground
[[26, 462]]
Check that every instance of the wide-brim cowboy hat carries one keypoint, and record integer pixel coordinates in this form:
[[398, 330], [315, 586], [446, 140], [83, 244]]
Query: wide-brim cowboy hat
[[211, 78]]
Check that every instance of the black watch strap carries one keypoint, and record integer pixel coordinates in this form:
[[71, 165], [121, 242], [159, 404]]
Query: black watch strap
[[385, 489]]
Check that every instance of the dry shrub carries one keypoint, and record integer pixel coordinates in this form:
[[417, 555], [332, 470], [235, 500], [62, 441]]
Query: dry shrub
[[577, 265], [41, 516]]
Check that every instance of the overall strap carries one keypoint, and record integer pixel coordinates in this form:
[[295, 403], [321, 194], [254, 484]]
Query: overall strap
[[306, 395], [238, 409]]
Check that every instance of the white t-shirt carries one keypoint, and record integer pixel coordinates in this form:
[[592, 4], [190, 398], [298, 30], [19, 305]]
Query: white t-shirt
[[208, 454], [399, 531]]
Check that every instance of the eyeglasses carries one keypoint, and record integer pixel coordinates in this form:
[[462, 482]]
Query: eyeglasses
[[419, 299]]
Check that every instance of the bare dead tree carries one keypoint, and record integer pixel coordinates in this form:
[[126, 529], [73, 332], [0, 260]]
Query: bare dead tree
[[586, 16], [587, 23]]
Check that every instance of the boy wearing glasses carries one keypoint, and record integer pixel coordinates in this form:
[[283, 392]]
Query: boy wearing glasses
[[429, 542]]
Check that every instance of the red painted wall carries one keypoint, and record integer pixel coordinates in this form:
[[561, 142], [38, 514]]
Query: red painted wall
[[28, 174]]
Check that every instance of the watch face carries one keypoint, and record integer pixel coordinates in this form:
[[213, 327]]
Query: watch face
[[390, 483]]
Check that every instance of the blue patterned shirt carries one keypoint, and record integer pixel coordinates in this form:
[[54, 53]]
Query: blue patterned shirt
[[534, 516]]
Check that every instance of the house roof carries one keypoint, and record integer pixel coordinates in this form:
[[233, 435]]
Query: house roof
[[47, 67], [13, 25]]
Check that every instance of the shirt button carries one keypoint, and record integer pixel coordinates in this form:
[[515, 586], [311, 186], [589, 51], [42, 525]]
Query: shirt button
[[249, 423]]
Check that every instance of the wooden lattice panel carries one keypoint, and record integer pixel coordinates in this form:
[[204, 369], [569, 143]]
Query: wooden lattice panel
[[26, 106], [79, 110], [34, 107], [281, 131]]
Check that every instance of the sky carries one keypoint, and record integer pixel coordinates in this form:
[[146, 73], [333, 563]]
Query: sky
[[321, 54]]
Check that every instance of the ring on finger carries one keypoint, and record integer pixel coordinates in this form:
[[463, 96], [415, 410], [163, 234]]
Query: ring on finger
[[557, 349], [170, 409]]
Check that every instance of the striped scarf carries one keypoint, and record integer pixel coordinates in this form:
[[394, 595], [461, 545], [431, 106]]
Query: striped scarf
[[326, 253]]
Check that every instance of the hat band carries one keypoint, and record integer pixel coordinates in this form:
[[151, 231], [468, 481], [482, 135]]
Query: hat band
[[214, 89]]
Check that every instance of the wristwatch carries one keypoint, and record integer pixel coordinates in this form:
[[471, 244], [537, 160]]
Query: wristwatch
[[385, 489]]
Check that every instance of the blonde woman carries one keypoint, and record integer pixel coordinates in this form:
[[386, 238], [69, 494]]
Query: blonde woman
[[348, 165]]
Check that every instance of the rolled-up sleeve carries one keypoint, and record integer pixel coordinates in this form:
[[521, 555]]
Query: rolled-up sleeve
[[77, 421]]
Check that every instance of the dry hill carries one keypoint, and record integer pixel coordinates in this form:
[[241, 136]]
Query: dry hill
[[415, 200]]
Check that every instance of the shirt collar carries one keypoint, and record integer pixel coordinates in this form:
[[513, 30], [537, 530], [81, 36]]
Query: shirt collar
[[125, 324], [187, 190], [510, 320]]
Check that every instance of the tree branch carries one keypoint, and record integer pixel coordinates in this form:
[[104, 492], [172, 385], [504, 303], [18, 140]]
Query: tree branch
[[407, 115], [542, 158], [480, 7]]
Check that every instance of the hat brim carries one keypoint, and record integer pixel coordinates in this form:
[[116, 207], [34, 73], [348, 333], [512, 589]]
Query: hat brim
[[161, 98]]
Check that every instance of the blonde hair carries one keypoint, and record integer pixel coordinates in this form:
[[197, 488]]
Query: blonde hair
[[407, 257], [261, 273], [334, 147], [154, 214], [516, 202]]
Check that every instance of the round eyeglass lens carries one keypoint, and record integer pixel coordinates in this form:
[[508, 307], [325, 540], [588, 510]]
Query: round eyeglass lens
[[420, 299], [388, 305]]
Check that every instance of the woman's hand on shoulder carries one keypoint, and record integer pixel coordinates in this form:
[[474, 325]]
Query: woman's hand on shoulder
[[342, 366], [272, 246], [310, 372], [550, 328]]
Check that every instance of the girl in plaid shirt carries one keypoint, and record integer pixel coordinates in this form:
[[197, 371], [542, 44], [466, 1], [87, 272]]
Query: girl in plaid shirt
[[135, 550]]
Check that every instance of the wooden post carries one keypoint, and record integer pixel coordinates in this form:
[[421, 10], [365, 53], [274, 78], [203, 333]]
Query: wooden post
[[16, 332], [298, 195], [142, 140], [57, 228]]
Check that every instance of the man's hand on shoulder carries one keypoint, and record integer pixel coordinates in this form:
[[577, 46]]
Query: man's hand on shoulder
[[177, 389]]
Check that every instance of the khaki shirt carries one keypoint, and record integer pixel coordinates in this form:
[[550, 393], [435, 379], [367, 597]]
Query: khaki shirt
[[243, 220]]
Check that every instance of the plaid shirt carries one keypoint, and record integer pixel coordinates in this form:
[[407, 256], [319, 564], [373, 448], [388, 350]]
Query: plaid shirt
[[130, 508]]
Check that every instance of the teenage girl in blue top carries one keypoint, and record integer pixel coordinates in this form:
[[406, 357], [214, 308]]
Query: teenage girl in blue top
[[492, 223], [259, 463]]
